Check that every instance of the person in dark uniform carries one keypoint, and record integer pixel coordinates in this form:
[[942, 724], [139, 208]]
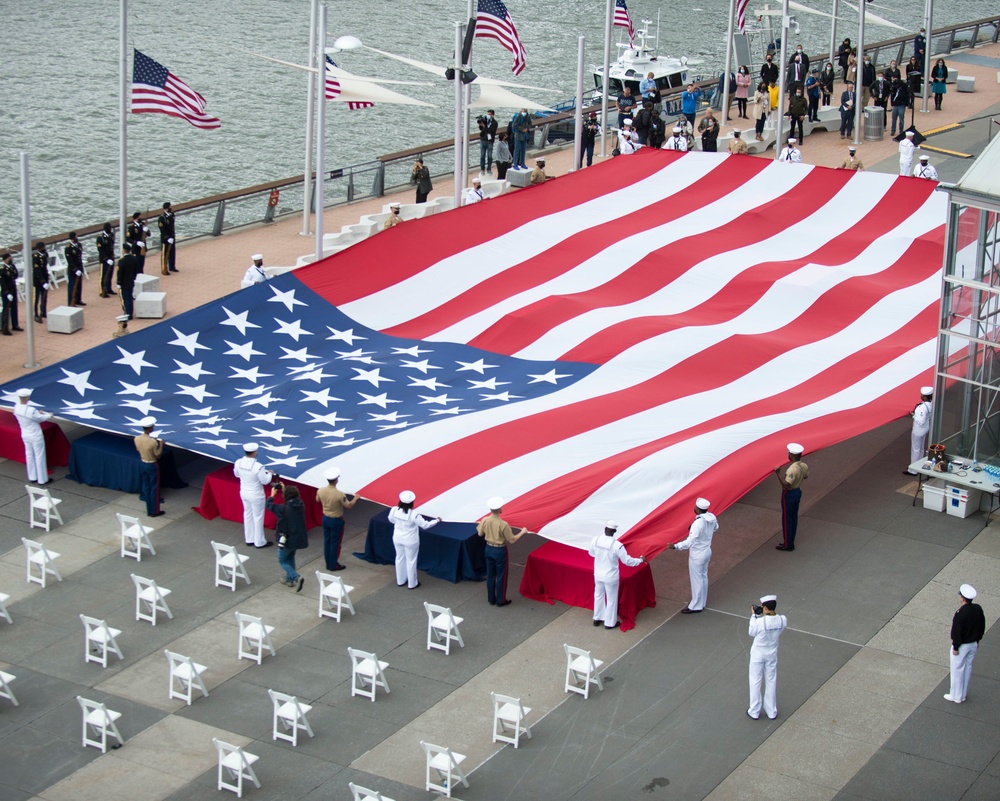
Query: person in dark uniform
[[8, 290], [40, 278], [136, 233], [127, 270], [497, 533], [168, 248], [106, 254], [150, 450], [74, 271], [421, 176], [967, 628]]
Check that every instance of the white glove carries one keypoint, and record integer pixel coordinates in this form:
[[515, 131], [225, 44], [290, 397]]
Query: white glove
[[170, 241], [79, 273], [10, 298], [45, 287], [109, 261]]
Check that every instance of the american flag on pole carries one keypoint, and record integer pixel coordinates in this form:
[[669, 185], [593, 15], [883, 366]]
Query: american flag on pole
[[493, 22], [624, 20], [741, 15], [634, 337], [332, 90], [155, 90]]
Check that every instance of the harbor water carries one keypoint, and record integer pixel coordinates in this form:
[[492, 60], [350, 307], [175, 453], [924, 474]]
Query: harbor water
[[59, 80]]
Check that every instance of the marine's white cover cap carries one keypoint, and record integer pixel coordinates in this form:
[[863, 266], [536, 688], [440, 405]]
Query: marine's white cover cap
[[332, 474], [612, 525], [927, 390], [794, 447], [702, 504], [968, 591], [496, 502], [767, 598], [147, 422], [407, 497], [249, 447], [24, 393], [257, 257]]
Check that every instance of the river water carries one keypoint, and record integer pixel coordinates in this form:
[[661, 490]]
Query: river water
[[59, 84]]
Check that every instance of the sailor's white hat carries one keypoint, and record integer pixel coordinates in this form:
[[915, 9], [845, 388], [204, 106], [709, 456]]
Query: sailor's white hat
[[24, 392], [257, 257], [407, 497], [927, 390], [612, 525], [702, 504], [250, 447], [909, 134], [767, 598]]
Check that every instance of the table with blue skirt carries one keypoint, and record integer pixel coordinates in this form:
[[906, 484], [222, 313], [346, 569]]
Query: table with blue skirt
[[108, 460], [450, 551]]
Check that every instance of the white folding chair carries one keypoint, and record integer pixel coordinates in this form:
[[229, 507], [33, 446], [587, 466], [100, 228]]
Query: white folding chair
[[185, 676], [58, 269], [581, 667], [150, 598], [42, 559], [254, 637], [446, 764], [5, 690], [229, 566], [135, 537], [43, 508], [98, 639], [100, 720], [237, 765], [334, 595], [367, 673], [442, 628], [364, 794], [508, 719], [4, 597], [290, 713]]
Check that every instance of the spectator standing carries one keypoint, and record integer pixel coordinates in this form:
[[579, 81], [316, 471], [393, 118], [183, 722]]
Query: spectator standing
[[521, 129], [880, 95], [74, 271], [892, 71], [914, 78], [772, 93], [867, 79], [798, 70], [168, 245], [939, 82], [826, 80], [8, 289], [844, 56], [625, 104], [40, 280], [899, 99], [769, 71], [290, 532], [743, 81], [709, 130], [106, 254], [761, 109], [812, 95], [502, 155], [421, 176], [852, 70], [797, 109], [920, 45], [647, 88], [487, 138], [847, 100], [689, 103]]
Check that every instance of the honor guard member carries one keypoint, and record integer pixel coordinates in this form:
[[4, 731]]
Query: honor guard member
[[150, 450], [967, 628], [128, 267], [497, 533], [74, 271], [790, 153], [121, 327], [255, 272], [921, 415], [168, 248], [253, 478], [393, 219], [106, 254], [736, 145], [906, 148], [135, 234], [791, 494], [852, 162], [676, 141], [925, 170], [538, 175], [40, 279], [30, 419], [334, 502], [8, 289], [699, 545], [474, 194], [607, 553], [406, 526], [765, 628]]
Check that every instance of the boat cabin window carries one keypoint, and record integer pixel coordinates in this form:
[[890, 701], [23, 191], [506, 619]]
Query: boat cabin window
[[672, 81], [616, 86]]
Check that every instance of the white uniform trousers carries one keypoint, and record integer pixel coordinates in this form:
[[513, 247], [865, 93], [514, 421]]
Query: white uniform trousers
[[763, 667], [918, 446], [606, 601], [698, 572], [406, 560], [904, 164], [34, 452], [961, 669], [253, 519]]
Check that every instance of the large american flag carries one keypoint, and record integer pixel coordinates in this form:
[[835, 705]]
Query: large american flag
[[624, 20], [332, 89], [493, 22], [612, 344], [741, 15], [155, 90]]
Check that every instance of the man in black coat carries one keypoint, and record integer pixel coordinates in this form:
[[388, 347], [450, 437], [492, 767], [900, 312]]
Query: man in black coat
[[967, 628], [769, 71], [106, 254], [880, 95], [168, 248], [40, 278], [867, 76], [74, 271], [128, 269], [8, 289]]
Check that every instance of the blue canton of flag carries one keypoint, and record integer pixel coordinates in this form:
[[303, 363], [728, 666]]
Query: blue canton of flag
[[277, 364]]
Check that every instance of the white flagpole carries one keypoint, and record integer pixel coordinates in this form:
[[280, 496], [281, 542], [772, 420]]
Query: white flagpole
[[779, 131], [29, 285], [833, 35], [928, 39], [123, 126], [729, 63], [310, 117], [859, 116], [467, 112], [457, 176], [321, 135], [605, 122], [578, 116]]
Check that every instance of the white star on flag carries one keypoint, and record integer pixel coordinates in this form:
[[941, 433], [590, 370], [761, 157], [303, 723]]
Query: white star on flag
[[478, 366], [187, 341], [238, 321], [371, 376], [501, 396], [430, 383], [136, 389], [415, 351], [85, 411], [285, 297], [322, 397], [347, 336], [194, 371], [551, 377], [244, 351], [294, 329], [299, 355], [199, 393], [252, 374], [443, 400], [489, 383], [269, 417], [144, 406], [79, 381], [134, 360], [391, 417], [382, 400], [423, 366], [327, 419]]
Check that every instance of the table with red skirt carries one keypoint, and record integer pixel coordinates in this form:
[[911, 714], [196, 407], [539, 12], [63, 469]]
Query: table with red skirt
[[557, 572], [12, 446], [220, 497]]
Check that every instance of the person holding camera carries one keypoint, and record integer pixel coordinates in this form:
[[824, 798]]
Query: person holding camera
[[487, 136], [291, 531], [406, 525], [253, 478], [421, 176], [699, 544], [608, 552], [765, 628], [150, 450]]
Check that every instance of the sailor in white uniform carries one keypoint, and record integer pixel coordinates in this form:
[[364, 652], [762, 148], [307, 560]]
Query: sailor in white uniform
[[406, 525], [906, 149], [253, 478], [921, 415], [607, 552], [30, 419], [790, 153], [474, 194], [628, 140], [765, 628], [255, 273], [677, 141], [925, 170], [699, 543]]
